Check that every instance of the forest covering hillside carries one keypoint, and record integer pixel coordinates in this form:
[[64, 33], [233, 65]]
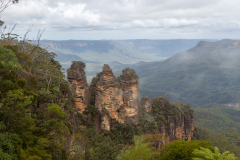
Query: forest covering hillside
[[207, 77], [45, 117], [207, 73], [39, 121]]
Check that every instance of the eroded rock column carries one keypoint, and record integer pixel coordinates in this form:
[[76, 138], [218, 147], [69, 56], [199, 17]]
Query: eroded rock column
[[108, 95], [118, 96], [129, 85], [78, 85]]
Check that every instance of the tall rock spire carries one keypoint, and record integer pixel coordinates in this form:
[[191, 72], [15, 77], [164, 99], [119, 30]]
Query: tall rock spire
[[78, 85], [119, 97]]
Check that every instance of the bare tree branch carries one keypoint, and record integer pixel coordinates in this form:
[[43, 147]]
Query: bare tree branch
[[39, 35], [11, 29], [24, 40], [4, 4]]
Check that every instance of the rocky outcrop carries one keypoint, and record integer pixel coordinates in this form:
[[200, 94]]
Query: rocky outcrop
[[117, 101], [78, 85], [108, 94], [129, 85], [147, 104], [118, 96], [175, 120]]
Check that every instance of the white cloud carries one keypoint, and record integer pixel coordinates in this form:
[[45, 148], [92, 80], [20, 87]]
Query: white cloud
[[120, 17]]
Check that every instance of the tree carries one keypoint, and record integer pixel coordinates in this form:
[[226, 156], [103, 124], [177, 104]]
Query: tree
[[140, 151], [207, 154], [4, 5], [14, 110], [8, 62], [182, 150]]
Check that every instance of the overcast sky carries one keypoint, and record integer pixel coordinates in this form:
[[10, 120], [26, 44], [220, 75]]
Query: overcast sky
[[126, 19]]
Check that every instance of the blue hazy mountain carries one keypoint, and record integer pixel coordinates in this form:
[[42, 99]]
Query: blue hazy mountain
[[206, 73]]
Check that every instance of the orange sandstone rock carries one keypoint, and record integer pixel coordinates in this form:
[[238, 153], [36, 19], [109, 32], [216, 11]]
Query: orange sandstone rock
[[119, 96], [78, 85]]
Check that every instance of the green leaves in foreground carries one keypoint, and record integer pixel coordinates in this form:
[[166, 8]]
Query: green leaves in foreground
[[140, 151], [182, 150], [207, 154]]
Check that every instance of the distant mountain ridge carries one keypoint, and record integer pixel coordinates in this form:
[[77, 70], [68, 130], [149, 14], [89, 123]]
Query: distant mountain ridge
[[118, 54], [206, 73], [120, 50]]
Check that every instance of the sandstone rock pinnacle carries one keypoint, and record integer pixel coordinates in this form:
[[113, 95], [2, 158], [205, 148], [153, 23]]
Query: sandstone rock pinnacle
[[118, 96], [78, 85]]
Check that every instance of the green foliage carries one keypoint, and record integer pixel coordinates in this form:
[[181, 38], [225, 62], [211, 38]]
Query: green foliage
[[182, 150], [28, 130], [45, 96], [37, 120], [199, 76], [9, 148], [81, 65], [207, 154], [124, 133], [128, 74], [217, 139], [140, 151], [91, 109], [218, 118], [54, 129], [103, 148], [56, 112], [14, 110], [147, 123], [22, 56], [222, 120], [105, 144], [8, 62], [89, 116]]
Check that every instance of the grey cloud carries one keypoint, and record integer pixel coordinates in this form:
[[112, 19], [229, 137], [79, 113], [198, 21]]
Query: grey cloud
[[152, 16]]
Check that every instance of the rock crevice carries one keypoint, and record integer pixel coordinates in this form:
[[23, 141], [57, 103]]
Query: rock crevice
[[119, 96]]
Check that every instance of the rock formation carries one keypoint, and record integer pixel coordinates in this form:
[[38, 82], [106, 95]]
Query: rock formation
[[175, 120], [118, 96], [78, 85], [129, 85], [147, 103], [117, 99]]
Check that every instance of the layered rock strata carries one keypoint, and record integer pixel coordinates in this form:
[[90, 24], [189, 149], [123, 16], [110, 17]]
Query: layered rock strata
[[118, 96], [78, 85], [175, 120], [117, 99], [129, 86]]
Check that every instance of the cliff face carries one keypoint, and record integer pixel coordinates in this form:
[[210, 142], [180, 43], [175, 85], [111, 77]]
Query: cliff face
[[129, 85], [78, 85], [174, 120], [147, 103], [119, 97]]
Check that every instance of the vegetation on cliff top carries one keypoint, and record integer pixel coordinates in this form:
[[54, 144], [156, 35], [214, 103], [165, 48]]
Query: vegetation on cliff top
[[33, 124], [36, 122], [37, 119]]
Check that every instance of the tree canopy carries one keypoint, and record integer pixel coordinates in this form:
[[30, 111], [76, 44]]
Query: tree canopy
[[207, 154]]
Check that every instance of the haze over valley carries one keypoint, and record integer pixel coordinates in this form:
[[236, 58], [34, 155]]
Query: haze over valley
[[202, 73], [119, 80], [119, 54]]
